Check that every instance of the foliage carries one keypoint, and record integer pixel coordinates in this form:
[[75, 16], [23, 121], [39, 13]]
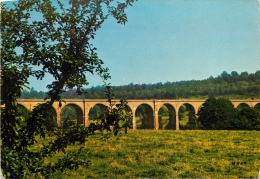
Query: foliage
[[33, 94], [232, 86], [19, 161], [68, 113], [58, 43], [221, 114], [163, 111], [50, 122], [249, 119], [113, 120], [215, 113], [97, 111], [163, 117]]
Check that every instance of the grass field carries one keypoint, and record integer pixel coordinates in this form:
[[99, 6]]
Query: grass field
[[172, 154]]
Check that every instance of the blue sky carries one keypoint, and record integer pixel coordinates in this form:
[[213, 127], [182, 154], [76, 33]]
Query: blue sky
[[173, 40]]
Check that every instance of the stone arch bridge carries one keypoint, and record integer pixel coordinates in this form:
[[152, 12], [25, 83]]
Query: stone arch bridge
[[83, 107]]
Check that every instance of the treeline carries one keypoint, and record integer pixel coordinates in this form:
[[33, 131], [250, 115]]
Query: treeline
[[233, 86], [33, 94]]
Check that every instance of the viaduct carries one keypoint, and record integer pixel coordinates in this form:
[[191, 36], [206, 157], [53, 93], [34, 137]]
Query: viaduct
[[83, 107]]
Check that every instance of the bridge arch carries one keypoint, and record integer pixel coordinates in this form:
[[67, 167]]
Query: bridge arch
[[242, 105], [20, 105], [72, 111], [97, 111], [25, 105], [167, 116], [257, 106], [187, 116], [144, 116]]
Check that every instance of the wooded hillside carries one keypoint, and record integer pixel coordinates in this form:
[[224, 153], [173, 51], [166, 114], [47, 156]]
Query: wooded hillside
[[233, 86]]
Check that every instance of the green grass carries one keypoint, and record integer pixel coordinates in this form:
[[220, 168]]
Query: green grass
[[172, 154]]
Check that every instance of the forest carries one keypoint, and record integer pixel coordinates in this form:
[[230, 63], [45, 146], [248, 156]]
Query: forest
[[231, 85]]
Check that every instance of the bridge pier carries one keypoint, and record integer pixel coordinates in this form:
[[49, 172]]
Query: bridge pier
[[156, 120], [177, 121], [58, 113], [85, 114], [155, 115], [86, 121], [134, 122], [58, 120]]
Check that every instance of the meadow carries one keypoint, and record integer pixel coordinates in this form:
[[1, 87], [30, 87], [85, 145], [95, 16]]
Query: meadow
[[171, 154]]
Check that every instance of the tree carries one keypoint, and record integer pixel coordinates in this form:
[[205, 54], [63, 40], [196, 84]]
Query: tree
[[59, 44], [162, 113], [235, 76], [243, 76], [249, 119], [225, 76], [216, 114], [68, 112]]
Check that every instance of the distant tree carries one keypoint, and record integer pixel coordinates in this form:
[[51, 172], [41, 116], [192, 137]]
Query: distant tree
[[224, 74], [182, 111], [232, 87], [97, 111], [257, 74], [234, 76], [243, 76], [162, 113], [68, 112]]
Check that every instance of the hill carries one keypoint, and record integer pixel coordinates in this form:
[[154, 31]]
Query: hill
[[232, 86]]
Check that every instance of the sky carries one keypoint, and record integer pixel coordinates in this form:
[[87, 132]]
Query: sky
[[174, 40]]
